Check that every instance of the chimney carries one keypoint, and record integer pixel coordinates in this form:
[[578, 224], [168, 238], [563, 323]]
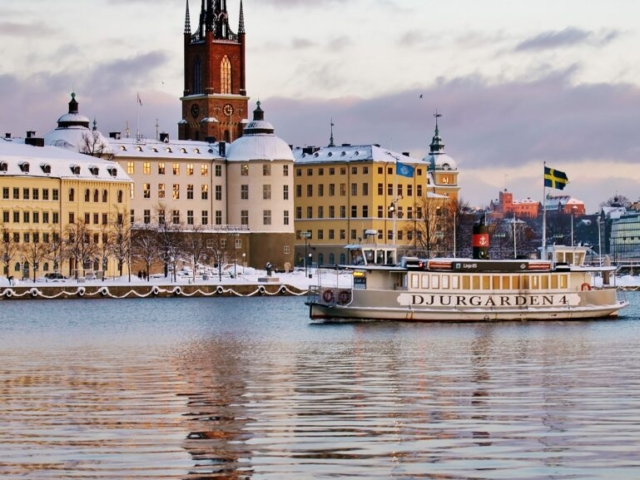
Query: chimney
[[210, 140], [164, 137], [31, 133], [406, 154], [114, 135], [33, 141], [7, 136], [222, 149]]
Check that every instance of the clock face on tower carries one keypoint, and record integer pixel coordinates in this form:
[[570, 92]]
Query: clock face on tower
[[227, 110], [195, 110]]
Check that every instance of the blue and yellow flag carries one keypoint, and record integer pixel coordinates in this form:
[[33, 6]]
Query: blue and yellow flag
[[555, 178], [404, 170]]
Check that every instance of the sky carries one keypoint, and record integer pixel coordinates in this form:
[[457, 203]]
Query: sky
[[518, 83]]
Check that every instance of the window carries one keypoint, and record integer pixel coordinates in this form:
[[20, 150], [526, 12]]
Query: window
[[146, 190], [189, 169], [309, 172], [146, 168], [298, 213], [45, 218], [96, 218], [380, 211], [25, 217], [161, 190], [266, 170], [176, 191], [309, 212], [390, 189], [365, 189], [175, 217], [285, 170], [161, 218], [409, 190], [189, 217], [244, 192], [354, 189], [205, 217], [161, 168], [96, 196], [147, 217], [266, 217], [298, 172], [321, 190], [343, 235], [365, 211], [332, 234], [176, 169], [5, 193], [343, 189], [285, 192], [343, 211], [321, 171], [204, 191], [298, 191], [285, 219], [189, 192], [16, 194], [380, 189], [87, 218], [25, 194], [400, 191], [354, 211], [16, 217], [130, 168], [218, 217], [204, 169], [218, 192], [55, 195], [244, 217], [419, 190], [244, 169], [309, 190], [105, 196], [72, 218], [225, 75], [26, 237], [105, 219], [266, 192], [5, 217], [332, 171], [332, 211], [320, 211], [320, 234], [56, 218], [35, 194], [332, 189], [218, 170]]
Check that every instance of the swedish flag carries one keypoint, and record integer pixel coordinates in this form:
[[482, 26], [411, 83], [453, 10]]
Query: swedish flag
[[555, 178]]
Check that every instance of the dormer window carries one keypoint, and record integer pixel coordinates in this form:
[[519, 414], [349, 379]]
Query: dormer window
[[330, 154], [196, 150], [113, 171], [46, 168], [94, 170], [139, 149], [24, 167], [183, 150], [168, 150], [123, 148], [155, 149], [3, 166], [75, 169]]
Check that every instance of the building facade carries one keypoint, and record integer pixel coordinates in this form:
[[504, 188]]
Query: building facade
[[214, 102]]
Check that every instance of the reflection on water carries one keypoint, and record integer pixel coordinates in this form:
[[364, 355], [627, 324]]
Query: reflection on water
[[247, 388]]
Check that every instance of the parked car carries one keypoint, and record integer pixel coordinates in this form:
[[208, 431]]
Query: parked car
[[53, 277]]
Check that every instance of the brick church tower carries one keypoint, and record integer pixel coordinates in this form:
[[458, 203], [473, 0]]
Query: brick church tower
[[215, 102]]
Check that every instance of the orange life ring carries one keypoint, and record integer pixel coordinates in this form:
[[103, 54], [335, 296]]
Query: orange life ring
[[344, 296], [327, 296], [585, 286]]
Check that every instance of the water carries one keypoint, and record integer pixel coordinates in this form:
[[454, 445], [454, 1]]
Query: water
[[248, 388]]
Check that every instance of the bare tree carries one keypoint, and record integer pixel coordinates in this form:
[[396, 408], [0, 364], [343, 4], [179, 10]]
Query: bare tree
[[34, 251], [432, 221], [145, 247], [218, 249], [92, 144], [9, 248], [56, 251], [120, 248], [170, 245], [79, 245], [194, 244]]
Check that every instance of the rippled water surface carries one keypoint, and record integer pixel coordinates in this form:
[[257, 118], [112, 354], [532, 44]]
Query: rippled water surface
[[241, 388]]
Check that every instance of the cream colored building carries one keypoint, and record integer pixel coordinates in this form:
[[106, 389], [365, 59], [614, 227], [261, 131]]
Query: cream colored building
[[46, 194]]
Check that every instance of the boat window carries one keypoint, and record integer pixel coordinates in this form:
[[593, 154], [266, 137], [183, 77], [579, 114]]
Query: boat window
[[515, 282], [486, 282], [415, 280], [475, 282], [535, 282], [466, 282], [506, 283], [564, 281], [435, 281], [524, 282], [425, 281], [455, 282], [445, 282], [544, 282], [554, 282], [495, 280]]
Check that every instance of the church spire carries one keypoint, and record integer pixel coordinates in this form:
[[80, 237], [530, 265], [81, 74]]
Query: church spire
[[187, 21], [331, 144], [437, 147], [241, 25]]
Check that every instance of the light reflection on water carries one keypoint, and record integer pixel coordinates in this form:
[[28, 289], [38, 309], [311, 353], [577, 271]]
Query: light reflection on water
[[248, 388]]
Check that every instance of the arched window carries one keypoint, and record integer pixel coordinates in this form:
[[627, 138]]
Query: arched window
[[343, 259], [87, 195], [320, 259], [17, 267], [225, 75], [72, 195], [96, 196], [105, 196], [119, 196], [197, 76], [45, 267], [332, 259]]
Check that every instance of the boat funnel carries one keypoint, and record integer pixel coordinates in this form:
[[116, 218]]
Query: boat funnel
[[480, 241]]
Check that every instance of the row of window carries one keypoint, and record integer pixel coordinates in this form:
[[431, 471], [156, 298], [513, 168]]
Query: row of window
[[204, 169], [514, 282], [204, 191], [343, 171], [30, 217], [342, 209], [204, 217], [30, 194], [46, 168], [331, 190], [353, 234], [30, 237]]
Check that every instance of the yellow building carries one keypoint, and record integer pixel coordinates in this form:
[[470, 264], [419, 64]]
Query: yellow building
[[59, 209], [353, 194]]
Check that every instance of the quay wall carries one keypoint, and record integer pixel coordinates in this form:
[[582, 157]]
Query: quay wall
[[144, 291]]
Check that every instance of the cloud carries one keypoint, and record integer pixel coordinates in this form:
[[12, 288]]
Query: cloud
[[13, 29], [302, 44], [568, 37]]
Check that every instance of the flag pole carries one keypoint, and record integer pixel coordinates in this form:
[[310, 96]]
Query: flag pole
[[544, 214], [395, 201]]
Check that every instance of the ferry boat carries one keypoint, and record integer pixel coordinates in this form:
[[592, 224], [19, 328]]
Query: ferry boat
[[557, 287]]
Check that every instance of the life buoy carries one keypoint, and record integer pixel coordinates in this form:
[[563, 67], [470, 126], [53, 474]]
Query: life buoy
[[177, 291], [34, 292], [585, 286], [155, 290], [81, 291], [8, 293], [327, 296], [104, 291], [344, 296]]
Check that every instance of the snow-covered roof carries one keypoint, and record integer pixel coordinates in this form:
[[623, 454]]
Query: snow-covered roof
[[77, 138], [440, 161], [351, 153], [170, 149], [22, 160]]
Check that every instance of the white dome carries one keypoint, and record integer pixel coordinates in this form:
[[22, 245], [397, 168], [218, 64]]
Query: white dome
[[441, 161], [259, 147], [78, 139], [74, 118]]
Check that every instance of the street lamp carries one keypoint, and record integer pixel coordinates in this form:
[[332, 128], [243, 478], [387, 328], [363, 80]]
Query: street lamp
[[310, 254], [306, 235], [599, 241], [573, 210], [244, 262]]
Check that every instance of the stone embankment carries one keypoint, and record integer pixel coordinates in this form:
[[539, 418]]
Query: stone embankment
[[145, 291]]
